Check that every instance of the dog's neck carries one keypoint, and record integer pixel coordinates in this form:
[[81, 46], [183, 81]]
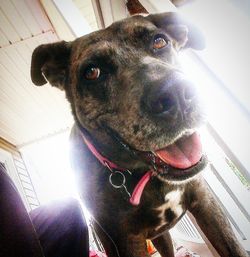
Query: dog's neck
[[109, 146], [134, 197]]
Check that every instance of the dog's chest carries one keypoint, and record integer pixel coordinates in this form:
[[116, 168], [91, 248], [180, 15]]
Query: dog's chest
[[171, 210]]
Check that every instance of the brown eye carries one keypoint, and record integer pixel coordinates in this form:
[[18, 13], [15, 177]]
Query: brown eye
[[92, 73], [160, 42]]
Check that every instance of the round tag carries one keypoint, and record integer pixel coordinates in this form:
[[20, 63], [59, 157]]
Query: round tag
[[117, 179]]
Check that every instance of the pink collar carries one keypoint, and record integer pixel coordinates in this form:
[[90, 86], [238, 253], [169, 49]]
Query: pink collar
[[135, 197]]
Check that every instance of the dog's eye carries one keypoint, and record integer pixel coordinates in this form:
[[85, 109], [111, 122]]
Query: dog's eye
[[92, 73], [159, 42]]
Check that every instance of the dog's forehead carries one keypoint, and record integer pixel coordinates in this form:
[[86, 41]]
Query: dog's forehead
[[132, 25], [129, 29]]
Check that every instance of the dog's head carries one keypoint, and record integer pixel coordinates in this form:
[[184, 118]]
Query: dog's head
[[126, 79]]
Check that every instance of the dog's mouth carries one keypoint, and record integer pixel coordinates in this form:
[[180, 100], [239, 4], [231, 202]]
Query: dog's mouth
[[178, 161], [181, 160], [182, 154]]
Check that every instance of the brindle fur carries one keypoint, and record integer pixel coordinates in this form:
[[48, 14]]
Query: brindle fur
[[133, 76]]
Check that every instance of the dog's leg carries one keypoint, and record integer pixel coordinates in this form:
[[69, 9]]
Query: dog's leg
[[131, 246], [106, 240], [134, 246], [164, 245], [213, 222]]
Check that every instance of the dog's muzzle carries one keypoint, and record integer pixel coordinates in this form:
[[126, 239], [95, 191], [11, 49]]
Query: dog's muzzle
[[171, 99]]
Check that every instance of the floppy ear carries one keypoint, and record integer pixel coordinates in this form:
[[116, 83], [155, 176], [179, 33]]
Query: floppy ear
[[50, 63], [186, 34]]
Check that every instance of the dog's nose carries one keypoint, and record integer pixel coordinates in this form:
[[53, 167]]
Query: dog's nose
[[172, 99], [165, 103]]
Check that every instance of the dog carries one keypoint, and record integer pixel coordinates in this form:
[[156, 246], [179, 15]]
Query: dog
[[135, 150]]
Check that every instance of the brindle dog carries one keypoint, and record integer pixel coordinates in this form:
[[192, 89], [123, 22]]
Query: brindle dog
[[133, 104]]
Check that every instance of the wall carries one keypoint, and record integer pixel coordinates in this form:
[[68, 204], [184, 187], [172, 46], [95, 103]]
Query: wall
[[17, 170]]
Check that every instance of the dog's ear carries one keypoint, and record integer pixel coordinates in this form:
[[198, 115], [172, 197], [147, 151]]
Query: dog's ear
[[182, 31], [50, 63]]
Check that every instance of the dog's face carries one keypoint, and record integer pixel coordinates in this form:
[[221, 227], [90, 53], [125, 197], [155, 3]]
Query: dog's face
[[126, 79]]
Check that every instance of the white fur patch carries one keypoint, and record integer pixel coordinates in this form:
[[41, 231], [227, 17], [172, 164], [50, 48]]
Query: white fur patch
[[173, 202], [173, 196]]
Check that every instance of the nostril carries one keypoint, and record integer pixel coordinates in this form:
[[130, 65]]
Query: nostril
[[162, 104]]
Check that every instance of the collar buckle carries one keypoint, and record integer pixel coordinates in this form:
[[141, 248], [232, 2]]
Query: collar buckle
[[117, 179]]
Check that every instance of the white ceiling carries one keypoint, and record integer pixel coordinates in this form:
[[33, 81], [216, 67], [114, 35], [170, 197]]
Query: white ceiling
[[29, 113], [85, 7]]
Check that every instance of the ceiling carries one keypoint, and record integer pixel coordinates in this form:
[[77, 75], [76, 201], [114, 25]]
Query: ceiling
[[29, 113]]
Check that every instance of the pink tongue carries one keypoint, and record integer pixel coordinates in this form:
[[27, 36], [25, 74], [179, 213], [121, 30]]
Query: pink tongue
[[184, 153]]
